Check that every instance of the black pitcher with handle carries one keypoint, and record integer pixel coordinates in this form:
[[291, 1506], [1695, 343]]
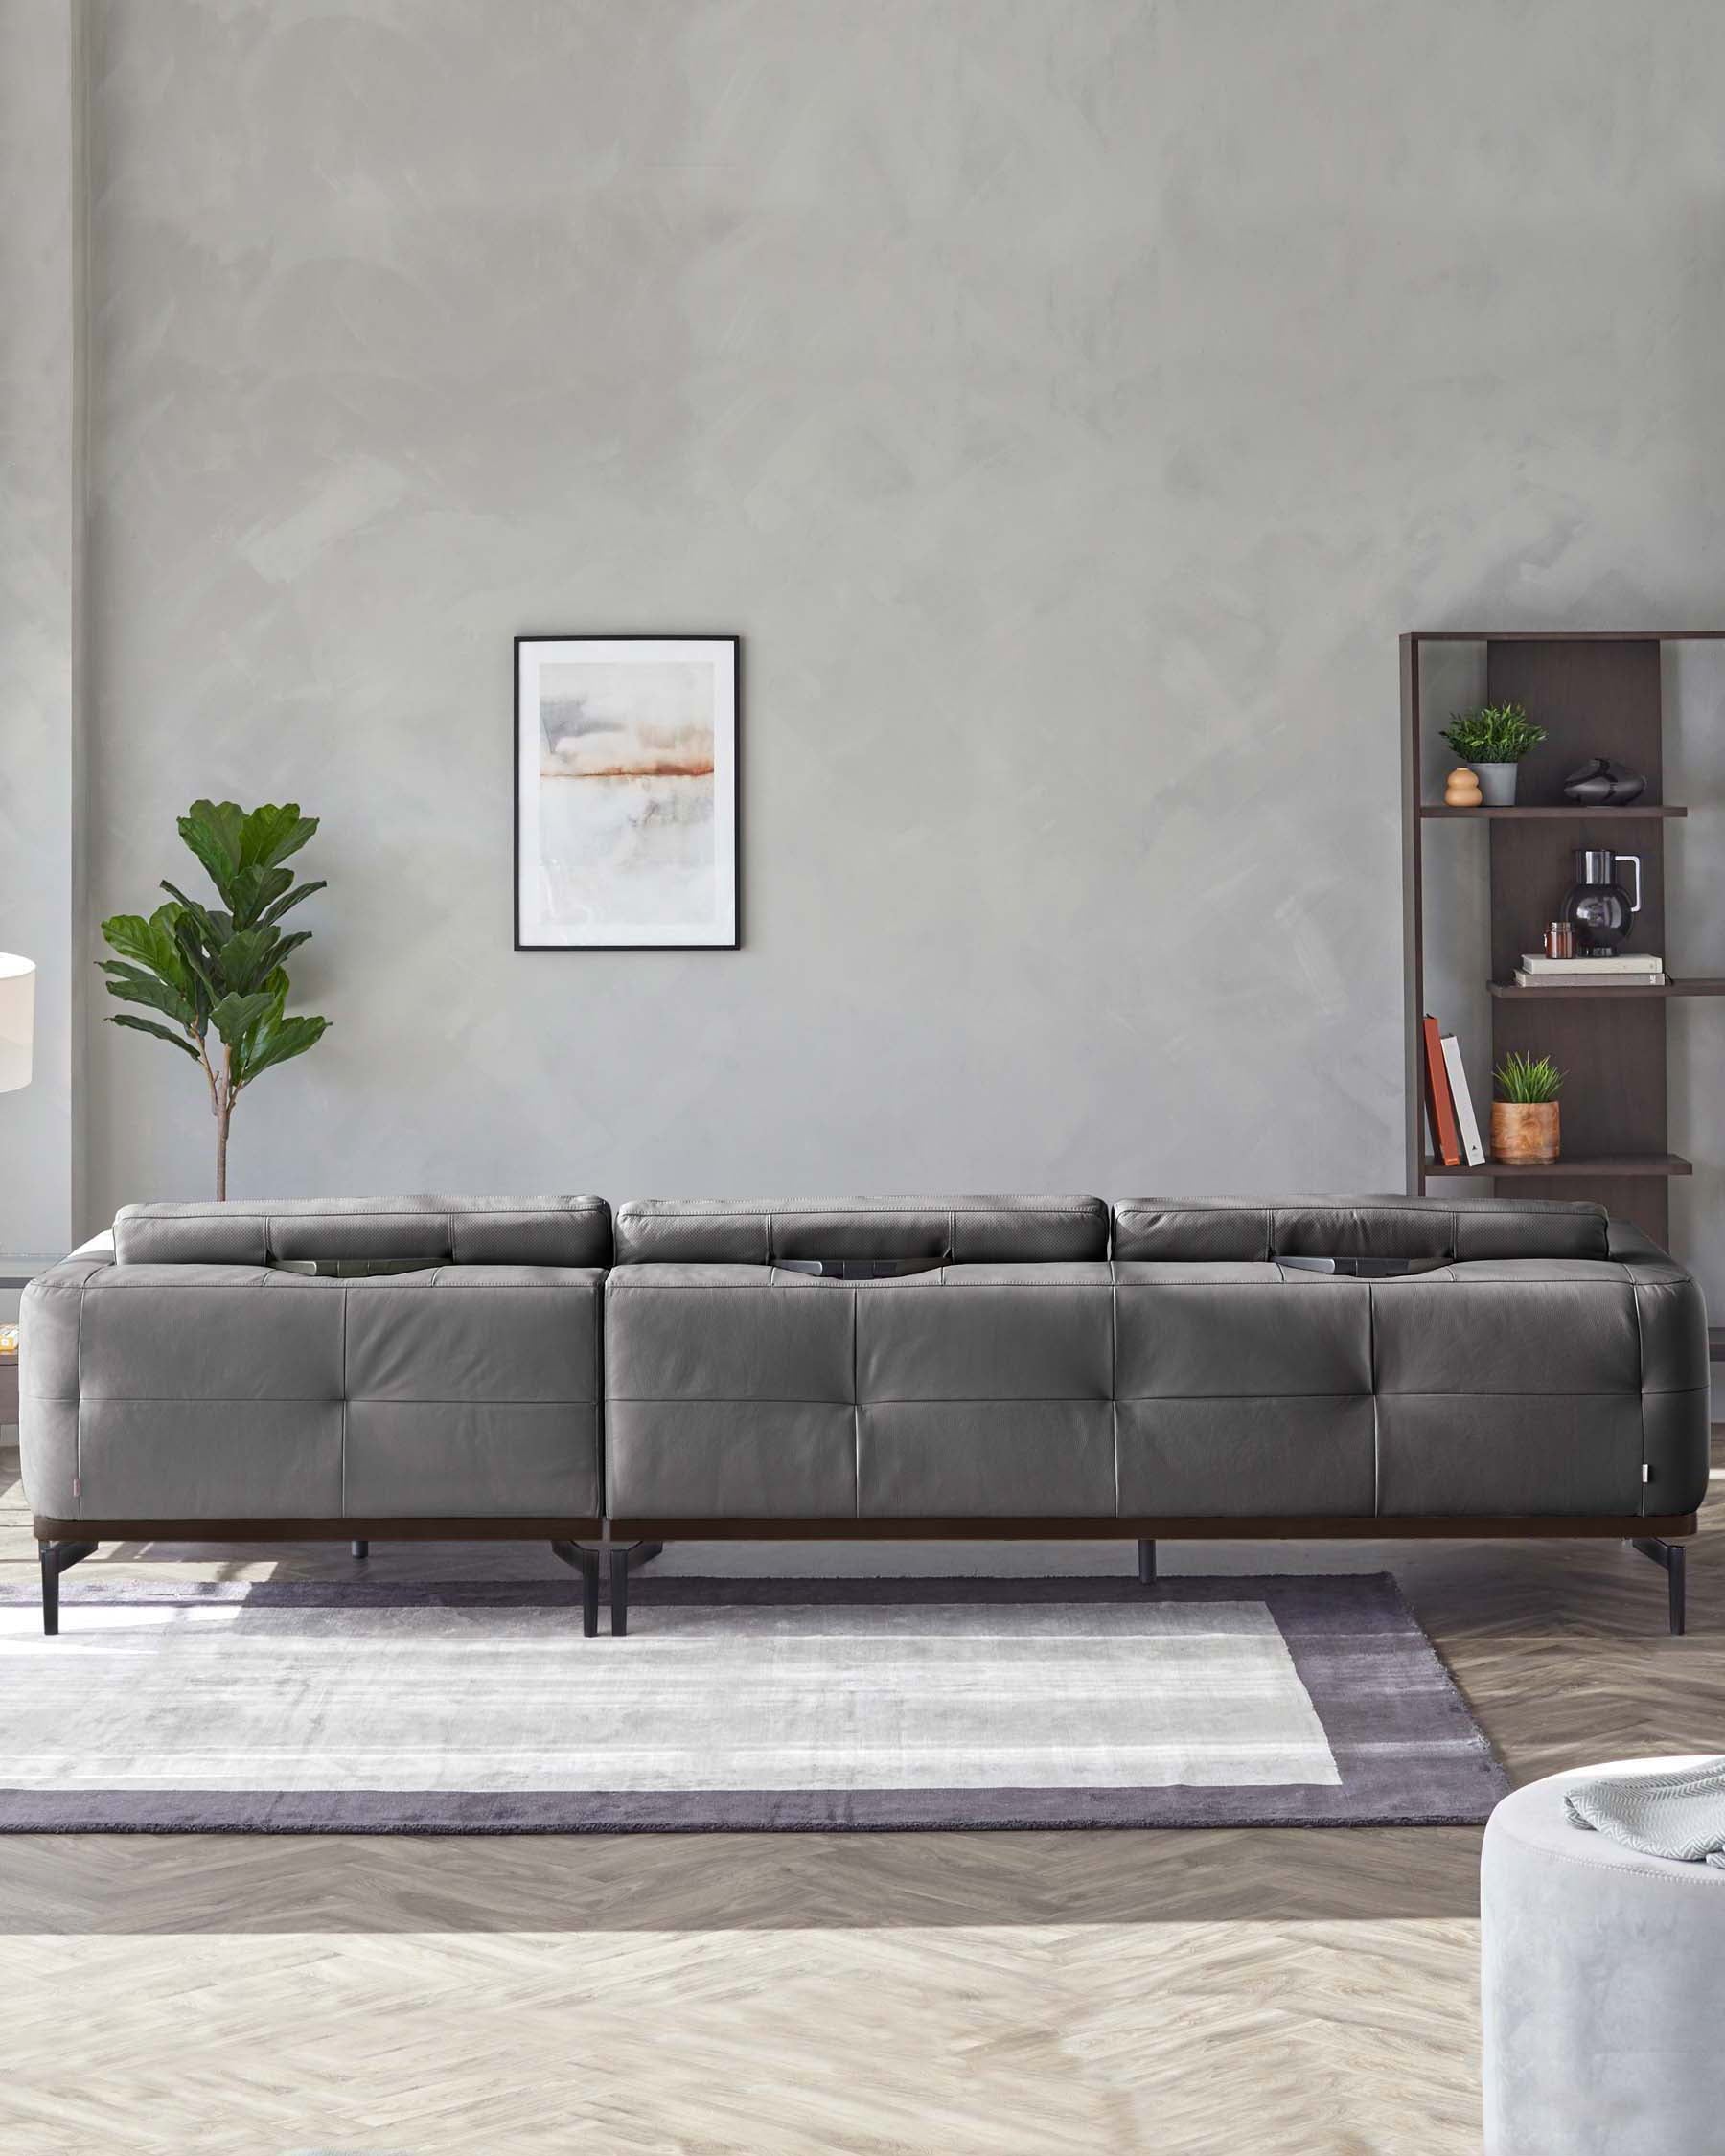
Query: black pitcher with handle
[[1597, 904]]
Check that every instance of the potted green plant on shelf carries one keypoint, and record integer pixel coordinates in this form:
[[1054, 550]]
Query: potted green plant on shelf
[[1493, 740], [1524, 1116], [217, 971]]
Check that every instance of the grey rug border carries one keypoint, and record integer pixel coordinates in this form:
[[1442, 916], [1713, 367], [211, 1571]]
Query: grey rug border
[[1407, 1746]]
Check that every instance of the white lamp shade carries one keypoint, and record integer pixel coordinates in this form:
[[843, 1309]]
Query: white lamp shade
[[18, 1020]]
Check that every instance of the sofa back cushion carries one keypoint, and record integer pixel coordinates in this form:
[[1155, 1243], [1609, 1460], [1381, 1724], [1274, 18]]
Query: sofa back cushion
[[757, 1230], [561, 1231], [1247, 1229]]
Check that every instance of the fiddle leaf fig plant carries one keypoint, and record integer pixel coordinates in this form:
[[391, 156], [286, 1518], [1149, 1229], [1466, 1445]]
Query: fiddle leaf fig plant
[[217, 972]]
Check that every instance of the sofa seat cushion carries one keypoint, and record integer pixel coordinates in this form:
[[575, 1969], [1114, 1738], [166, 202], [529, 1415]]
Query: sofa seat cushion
[[1197, 1388], [233, 1391], [973, 1390], [1244, 1391], [1516, 1327], [1513, 1387], [1487, 1388], [730, 1332]]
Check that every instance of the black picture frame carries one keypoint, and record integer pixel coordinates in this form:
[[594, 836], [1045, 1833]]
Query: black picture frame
[[727, 782]]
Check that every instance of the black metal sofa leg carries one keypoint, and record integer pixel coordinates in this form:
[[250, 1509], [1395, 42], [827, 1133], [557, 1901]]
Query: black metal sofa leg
[[586, 1563], [57, 1557], [360, 1548], [1146, 1564], [623, 1562], [1672, 1556]]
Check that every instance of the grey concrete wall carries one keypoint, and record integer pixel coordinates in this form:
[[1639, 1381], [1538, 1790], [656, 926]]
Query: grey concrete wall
[[1066, 404], [41, 559]]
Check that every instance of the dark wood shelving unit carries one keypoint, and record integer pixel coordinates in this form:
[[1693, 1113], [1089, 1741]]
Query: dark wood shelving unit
[[1604, 992], [1597, 693], [1565, 637], [1602, 1164], [1641, 812]]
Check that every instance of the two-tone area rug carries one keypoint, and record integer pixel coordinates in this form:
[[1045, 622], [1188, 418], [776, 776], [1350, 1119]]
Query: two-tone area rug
[[733, 1705]]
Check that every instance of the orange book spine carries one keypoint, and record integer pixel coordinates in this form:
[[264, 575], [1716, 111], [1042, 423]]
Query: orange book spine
[[1446, 1137]]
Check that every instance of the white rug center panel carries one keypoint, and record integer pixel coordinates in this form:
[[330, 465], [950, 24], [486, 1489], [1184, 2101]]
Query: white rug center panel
[[904, 1697]]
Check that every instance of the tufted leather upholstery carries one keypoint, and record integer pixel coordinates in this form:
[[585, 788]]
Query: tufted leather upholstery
[[744, 1389], [1553, 1364], [1243, 1229], [434, 1230], [187, 1389], [756, 1230]]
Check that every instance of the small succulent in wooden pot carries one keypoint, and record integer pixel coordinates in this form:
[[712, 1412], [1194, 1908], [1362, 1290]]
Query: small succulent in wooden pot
[[1524, 1116]]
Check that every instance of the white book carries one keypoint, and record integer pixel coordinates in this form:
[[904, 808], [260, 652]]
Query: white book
[[1620, 962], [1525, 979], [1472, 1151]]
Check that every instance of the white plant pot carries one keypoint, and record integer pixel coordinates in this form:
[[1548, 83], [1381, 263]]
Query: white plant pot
[[1497, 783]]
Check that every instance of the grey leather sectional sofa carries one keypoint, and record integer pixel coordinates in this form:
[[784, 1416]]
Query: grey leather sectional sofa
[[969, 1367]]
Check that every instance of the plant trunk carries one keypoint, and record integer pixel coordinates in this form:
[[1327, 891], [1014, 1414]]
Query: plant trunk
[[222, 1115]]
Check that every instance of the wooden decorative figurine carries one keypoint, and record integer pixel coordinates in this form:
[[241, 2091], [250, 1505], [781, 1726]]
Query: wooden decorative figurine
[[1462, 788]]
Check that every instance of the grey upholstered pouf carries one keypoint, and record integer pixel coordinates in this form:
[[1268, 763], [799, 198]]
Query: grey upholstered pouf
[[1601, 1981]]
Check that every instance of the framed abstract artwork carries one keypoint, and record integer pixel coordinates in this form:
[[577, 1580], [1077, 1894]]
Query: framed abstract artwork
[[626, 793]]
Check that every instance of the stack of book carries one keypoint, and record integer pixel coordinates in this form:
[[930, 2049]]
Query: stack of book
[[1624, 969], [1449, 1105]]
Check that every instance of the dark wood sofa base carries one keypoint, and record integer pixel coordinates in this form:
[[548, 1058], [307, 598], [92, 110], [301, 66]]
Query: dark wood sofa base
[[1660, 1536], [625, 1544], [1093, 1527], [372, 1529], [64, 1543]]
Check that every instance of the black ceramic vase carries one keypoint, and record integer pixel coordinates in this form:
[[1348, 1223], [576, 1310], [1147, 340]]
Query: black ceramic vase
[[1601, 784]]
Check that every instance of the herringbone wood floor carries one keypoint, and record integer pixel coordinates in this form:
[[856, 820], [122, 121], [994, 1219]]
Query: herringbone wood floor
[[1269, 1994]]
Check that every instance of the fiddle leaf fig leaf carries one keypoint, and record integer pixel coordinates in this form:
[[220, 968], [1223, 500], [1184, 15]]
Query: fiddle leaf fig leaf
[[284, 945], [134, 938], [148, 943], [215, 831], [301, 891], [215, 927], [234, 1016], [133, 986], [199, 986], [271, 833], [280, 1039], [251, 890], [247, 959], [129, 933], [161, 1032]]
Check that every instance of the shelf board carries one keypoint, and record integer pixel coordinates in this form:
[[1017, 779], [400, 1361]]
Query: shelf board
[[1576, 1164], [1506, 991], [1564, 635], [1637, 811]]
